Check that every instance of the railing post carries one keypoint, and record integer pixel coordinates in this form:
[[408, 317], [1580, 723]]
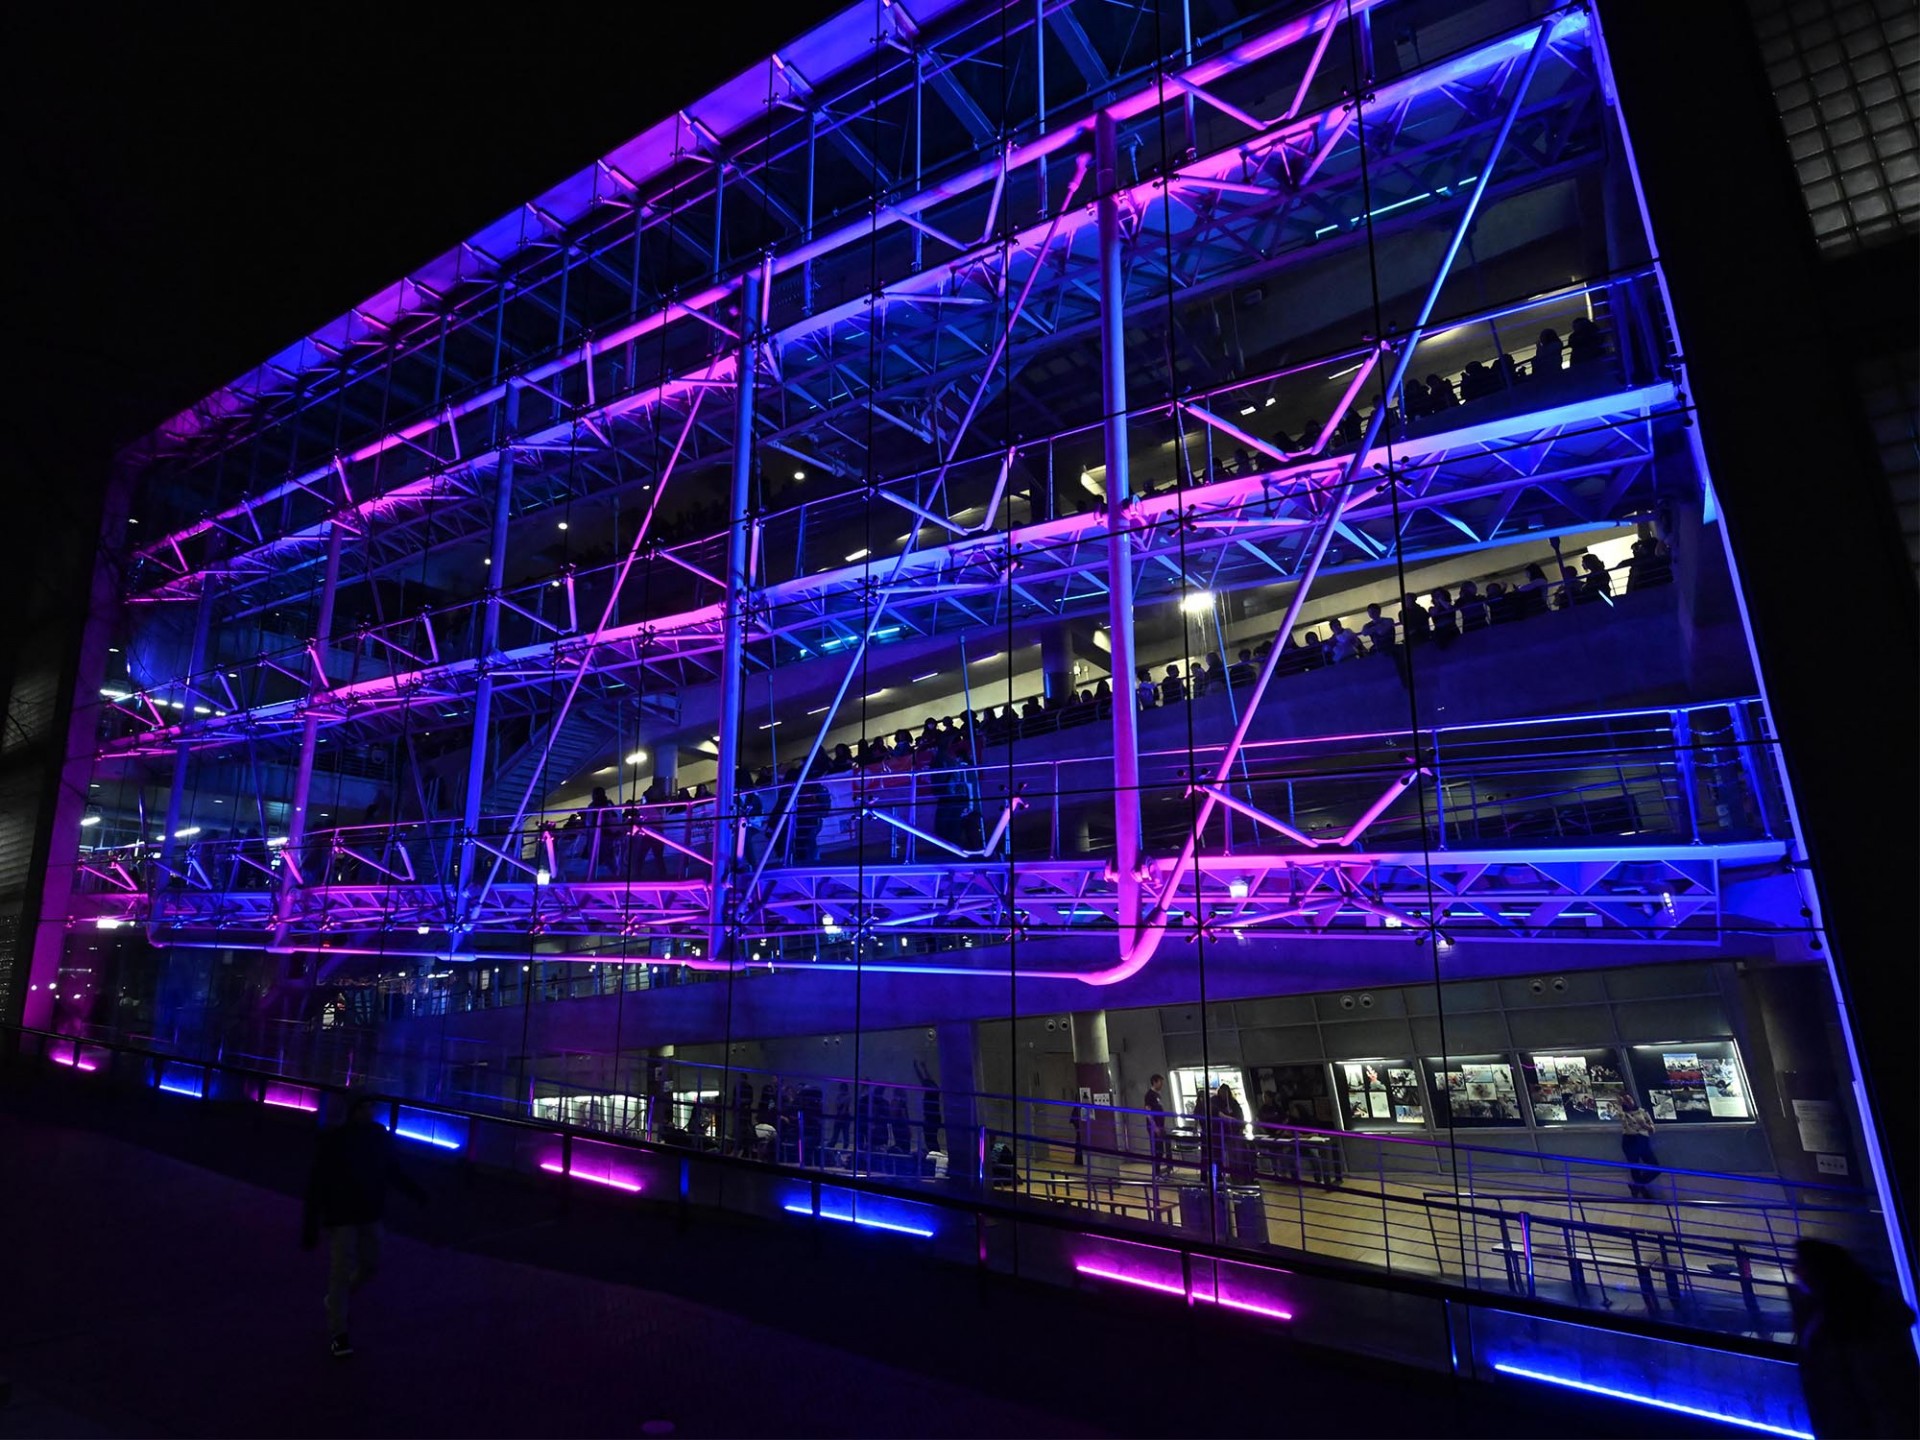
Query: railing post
[[1683, 762], [1746, 742], [1526, 1249]]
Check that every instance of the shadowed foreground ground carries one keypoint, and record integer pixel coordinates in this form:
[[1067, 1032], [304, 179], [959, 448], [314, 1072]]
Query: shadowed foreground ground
[[147, 1295]]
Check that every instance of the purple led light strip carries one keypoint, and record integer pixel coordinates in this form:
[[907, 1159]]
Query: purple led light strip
[[632, 1187], [1167, 1288]]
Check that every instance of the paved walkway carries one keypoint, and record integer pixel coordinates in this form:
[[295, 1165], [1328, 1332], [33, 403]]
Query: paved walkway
[[145, 1295], [161, 1299]]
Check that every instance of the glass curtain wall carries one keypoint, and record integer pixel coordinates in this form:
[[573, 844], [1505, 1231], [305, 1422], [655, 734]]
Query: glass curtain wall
[[1116, 604]]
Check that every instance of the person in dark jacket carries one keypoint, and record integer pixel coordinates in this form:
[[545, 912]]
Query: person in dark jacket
[[1857, 1366], [346, 1196], [1232, 1152], [1154, 1103]]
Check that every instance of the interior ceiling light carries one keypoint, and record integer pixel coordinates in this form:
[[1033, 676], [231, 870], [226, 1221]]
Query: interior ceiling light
[[1197, 601]]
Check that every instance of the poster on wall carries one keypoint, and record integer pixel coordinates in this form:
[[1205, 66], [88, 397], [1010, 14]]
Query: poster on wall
[[1479, 1090], [1573, 1087], [1367, 1093], [1693, 1083], [1403, 1093]]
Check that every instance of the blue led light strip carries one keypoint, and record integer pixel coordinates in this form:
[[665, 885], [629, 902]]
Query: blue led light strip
[[860, 1220], [1674, 1406], [426, 1139]]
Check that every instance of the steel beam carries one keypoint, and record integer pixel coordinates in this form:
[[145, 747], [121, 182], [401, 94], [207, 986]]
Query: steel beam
[[292, 856], [1140, 952], [727, 831], [485, 659], [1113, 406]]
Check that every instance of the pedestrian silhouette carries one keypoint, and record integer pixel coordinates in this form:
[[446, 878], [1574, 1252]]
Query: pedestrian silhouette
[[346, 1197]]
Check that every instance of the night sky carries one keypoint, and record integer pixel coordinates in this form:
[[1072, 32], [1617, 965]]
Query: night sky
[[192, 188]]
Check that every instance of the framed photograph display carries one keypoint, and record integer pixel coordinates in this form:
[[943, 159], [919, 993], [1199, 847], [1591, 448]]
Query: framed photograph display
[[1379, 1094], [1476, 1090], [1573, 1087], [1299, 1092], [1694, 1082]]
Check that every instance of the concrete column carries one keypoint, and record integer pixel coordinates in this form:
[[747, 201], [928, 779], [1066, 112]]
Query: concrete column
[[1093, 1076], [666, 764], [958, 1083], [1056, 661], [31, 997], [1803, 1101]]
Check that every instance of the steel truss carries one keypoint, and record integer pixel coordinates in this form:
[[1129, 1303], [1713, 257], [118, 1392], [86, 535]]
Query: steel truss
[[1665, 894], [1584, 463], [1262, 202], [921, 356]]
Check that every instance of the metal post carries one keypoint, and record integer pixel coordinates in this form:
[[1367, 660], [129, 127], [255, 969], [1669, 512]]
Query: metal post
[[1747, 744], [1040, 102], [176, 793], [309, 734], [1138, 951], [1683, 763], [726, 828], [489, 643], [1113, 401]]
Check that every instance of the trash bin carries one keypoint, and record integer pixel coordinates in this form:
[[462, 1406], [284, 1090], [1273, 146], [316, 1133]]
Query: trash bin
[[1194, 1209], [1249, 1213]]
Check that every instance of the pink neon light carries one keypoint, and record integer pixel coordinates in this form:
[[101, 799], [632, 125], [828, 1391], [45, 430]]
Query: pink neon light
[[69, 1060], [1169, 1289], [302, 1103], [632, 1187]]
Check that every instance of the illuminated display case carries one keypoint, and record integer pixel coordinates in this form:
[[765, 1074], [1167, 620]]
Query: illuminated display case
[[1379, 1093], [1572, 1086], [1477, 1091], [1692, 1082]]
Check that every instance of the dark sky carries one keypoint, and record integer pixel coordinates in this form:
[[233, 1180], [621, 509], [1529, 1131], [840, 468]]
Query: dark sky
[[191, 188]]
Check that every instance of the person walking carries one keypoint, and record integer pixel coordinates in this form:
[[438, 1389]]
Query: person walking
[[346, 1197], [1636, 1143]]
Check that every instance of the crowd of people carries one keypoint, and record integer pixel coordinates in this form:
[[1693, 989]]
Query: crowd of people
[[871, 1127], [1448, 614], [930, 773]]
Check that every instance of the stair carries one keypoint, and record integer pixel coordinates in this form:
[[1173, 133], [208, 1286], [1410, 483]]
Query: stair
[[584, 740]]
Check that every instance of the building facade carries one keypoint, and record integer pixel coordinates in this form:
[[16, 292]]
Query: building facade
[[1007, 553]]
